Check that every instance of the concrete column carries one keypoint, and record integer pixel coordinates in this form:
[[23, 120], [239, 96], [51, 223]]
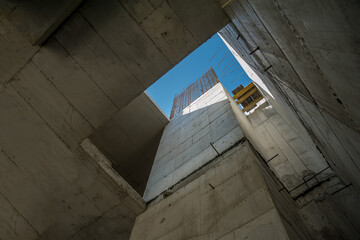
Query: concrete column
[[223, 192]]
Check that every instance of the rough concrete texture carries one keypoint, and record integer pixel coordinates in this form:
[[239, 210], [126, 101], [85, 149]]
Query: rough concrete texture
[[204, 129], [79, 80], [295, 226], [331, 211], [37, 20], [24, 25], [15, 50], [229, 201], [292, 159], [107, 53], [130, 140], [55, 192], [99, 60], [303, 174], [309, 83]]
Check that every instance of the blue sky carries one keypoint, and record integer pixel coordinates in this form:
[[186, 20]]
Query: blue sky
[[212, 53]]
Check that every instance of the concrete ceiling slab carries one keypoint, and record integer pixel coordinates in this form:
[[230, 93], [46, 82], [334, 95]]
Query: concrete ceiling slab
[[37, 20]]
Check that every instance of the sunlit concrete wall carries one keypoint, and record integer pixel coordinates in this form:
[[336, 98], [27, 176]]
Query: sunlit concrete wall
[[203, 130], [229, 201], [328, 206], [294, 161], [305, 54], [227, 196]]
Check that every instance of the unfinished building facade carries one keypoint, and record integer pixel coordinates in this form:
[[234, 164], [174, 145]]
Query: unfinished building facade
[[78, 161]]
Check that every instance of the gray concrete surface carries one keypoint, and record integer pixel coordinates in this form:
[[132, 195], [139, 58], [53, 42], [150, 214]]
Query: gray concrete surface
[[290, 157], [204, 129], [54, 191], [130, 140], [64, 79], [331, 210], [221, 215], [237, 206], [309, 83], [37, 20], [299, 178]]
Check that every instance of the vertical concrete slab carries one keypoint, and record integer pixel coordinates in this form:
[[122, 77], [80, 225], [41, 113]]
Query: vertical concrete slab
[[289, 156], [306, 48], [229, 199], [193, 138], [56, 190]]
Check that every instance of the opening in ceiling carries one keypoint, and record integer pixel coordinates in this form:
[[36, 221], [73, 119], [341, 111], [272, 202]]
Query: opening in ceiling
[[211, 54]]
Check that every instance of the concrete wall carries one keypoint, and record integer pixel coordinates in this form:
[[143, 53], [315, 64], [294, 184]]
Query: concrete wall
[[130, 140], [331, 211], [99, 60], [229, 201], [295, 170], [107, 53], [312, 81], [232, 196], [295, 226], [37, 20], [292, 159], [303, 85], [186, 141], [79, 80], [53, 191]]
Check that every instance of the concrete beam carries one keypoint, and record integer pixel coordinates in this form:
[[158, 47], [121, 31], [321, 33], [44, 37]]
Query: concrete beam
[[112, 178]]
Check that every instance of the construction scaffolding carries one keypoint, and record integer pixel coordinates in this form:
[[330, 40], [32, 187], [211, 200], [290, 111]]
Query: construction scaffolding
[[193, 91], [247, 96]]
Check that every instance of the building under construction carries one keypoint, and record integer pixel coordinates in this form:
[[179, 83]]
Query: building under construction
[[85, 154], [247, 96], [193, 91], [211, 151]]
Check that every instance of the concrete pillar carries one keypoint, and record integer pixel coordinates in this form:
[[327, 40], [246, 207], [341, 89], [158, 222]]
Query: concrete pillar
[[212, 182]]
